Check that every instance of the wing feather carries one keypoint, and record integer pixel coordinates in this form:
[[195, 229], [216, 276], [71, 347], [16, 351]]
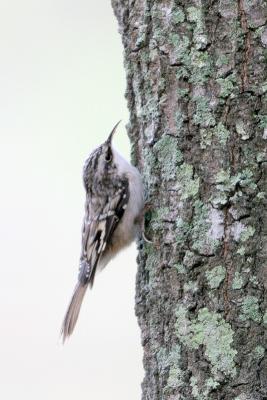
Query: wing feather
[[97, 233]]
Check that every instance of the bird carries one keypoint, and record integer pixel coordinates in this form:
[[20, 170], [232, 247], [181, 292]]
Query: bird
[[113, 218]]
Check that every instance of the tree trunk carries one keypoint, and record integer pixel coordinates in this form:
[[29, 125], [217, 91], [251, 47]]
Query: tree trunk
[[196, 91]]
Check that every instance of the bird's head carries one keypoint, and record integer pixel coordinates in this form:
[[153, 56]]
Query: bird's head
[[100, 163]]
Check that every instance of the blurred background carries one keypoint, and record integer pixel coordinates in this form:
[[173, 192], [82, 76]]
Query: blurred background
[[62, 88]]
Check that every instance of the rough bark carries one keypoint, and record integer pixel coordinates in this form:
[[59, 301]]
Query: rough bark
[[196, 90]]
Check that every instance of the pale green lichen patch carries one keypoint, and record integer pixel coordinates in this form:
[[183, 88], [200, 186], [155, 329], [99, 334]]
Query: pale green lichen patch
[[145, 56], [261, 157], [217, 335], [211, 383], [203, 115], [169, 361], [177, 15], [149, 167], [238, 281], [201, 67], [191, 286], [241, 250], [224, 185], [183, 326], [264, 87], [151, 265], [180, 45], [261, 196], [258, 352], [180, 268], [194, 386], [223, 177], [195, 15], [190, 259], [158, 217], [265, 318], [188, 184], [208, 135], [254, 280], [182, 230], [222, 133], [226, 85], [262, 118], [209, 329], [242, 130], [227, 183], [219, 199], [195, 65], [176, 375], [247, 233], [250, 309], [221, 60], [215, 276], [168, 156], [202, 392], [149, 110], [196, 392], [182, 72], [244, 178], [179, 120], [151, 261], [182, 92]]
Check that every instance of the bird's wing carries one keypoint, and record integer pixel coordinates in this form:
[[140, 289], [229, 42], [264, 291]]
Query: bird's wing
[[97, 232]]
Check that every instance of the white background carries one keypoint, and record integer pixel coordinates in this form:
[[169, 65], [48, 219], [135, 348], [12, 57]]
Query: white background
[[62, 88]]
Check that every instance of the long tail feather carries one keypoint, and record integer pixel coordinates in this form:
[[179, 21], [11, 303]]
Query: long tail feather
[[73, 310]]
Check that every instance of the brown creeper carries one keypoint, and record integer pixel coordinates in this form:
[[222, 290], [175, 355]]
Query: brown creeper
[[113, 214]]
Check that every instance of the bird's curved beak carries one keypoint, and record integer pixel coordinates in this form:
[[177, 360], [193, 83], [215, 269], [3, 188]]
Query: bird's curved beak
[[109, 139]]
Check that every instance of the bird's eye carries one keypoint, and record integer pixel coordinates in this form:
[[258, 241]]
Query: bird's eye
[[108, 157]]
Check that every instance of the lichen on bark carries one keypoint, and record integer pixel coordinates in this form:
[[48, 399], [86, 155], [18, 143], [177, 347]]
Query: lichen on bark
[[197, 95]]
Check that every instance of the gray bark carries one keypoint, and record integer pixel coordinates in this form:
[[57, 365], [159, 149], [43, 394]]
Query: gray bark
[[196, 91]]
